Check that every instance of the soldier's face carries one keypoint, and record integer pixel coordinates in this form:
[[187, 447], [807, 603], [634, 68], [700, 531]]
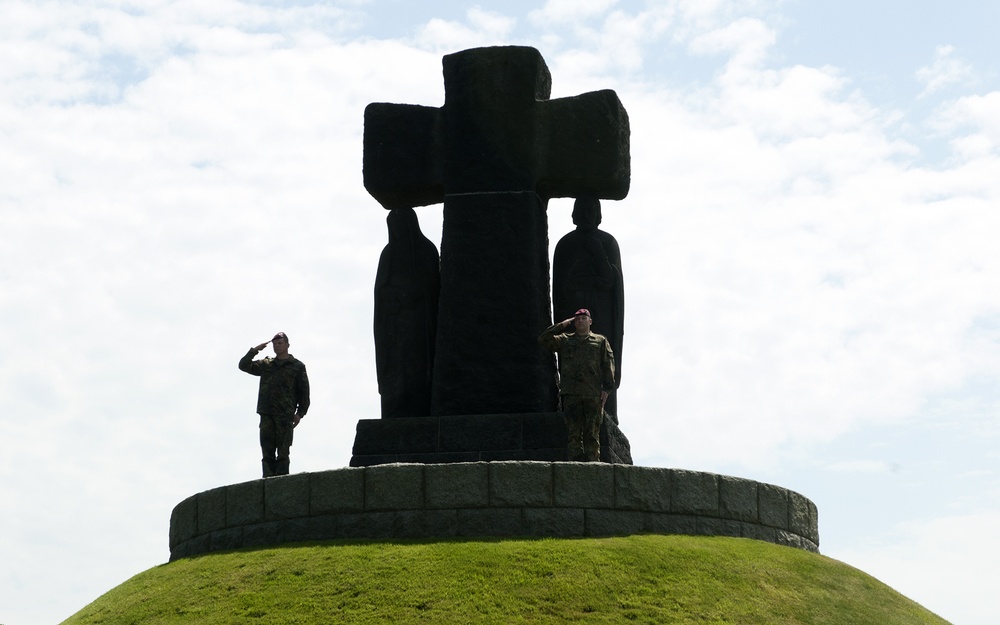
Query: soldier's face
[[582, 324], [280, 346]]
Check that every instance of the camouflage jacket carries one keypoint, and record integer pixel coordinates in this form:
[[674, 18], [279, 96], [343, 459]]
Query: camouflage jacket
[[284, 385], [586, 363]]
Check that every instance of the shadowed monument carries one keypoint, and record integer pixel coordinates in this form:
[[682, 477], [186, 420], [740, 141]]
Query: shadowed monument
[[475, 386], [493, 154]]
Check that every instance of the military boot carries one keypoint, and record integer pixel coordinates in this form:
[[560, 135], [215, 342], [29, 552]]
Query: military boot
[[281, 466], [268, 468]]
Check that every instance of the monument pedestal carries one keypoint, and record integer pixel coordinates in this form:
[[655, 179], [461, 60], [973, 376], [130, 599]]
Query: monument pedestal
[[471, 501], [476, 438]]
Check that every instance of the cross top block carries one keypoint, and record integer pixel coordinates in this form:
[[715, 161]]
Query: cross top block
[[497, 132]]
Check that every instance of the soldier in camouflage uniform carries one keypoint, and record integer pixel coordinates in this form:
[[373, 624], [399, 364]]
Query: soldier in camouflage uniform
[[282, 401], [586, 376]]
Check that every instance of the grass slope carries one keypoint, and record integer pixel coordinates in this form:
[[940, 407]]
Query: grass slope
[[636, 579]]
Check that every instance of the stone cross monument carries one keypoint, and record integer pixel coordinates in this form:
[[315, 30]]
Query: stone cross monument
[[494, 154]]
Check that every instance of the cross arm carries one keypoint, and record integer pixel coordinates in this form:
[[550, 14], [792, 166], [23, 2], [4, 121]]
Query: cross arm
[[584, 142], [402, 155]]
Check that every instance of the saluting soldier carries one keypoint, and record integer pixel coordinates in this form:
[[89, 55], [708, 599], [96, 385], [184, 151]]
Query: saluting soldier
[[282, 401], [586, 377]]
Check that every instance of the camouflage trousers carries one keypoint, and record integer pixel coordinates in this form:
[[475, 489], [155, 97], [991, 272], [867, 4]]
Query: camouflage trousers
[[583, 416], [275, 443]]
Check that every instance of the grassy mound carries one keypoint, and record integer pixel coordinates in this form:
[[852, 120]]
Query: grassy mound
[[636, 579]]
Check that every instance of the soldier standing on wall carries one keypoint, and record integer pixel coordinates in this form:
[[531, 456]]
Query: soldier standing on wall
[[586, 376], [282, 401]]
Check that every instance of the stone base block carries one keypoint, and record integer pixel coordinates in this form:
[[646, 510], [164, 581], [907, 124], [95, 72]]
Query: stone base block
[[476, 438]]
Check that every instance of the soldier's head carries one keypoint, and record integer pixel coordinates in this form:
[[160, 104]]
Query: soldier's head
[[582, 321], [280, 344], [587, 212]]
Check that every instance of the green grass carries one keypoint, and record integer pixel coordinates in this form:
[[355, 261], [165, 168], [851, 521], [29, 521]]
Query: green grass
[[636, 579]]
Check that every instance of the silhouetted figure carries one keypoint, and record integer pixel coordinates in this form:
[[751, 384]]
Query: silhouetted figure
[[406, 300], [282, 401], [587, 369], [587, 273]]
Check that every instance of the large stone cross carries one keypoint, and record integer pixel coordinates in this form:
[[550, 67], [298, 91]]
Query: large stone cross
[[494, 154]]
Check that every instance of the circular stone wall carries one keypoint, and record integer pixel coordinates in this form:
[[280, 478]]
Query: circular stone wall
[[559, 499]]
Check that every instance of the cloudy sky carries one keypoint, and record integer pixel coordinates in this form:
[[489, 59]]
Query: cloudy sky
[[809, 248]]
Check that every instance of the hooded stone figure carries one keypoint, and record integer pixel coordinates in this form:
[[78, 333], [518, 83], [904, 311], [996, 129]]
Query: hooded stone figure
[[587, 273], [406, 300]]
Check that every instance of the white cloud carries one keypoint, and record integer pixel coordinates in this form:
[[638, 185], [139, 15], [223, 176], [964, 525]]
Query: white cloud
[[946, 70], [864, 466], [482, 28], [949, 563], [562, 11], [973, 123], [746, 40]]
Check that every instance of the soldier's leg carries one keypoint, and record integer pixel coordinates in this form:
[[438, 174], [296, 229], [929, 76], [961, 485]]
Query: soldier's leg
[[284, 445], [592, 429], [268, 444], [573, 416]]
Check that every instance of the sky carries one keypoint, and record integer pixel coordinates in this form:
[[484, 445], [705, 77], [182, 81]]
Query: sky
[[809, 251]]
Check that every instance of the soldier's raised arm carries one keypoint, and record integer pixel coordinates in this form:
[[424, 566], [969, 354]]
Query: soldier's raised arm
[[549, 337]]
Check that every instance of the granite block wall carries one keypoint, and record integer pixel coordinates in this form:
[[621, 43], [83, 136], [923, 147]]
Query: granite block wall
[[511, 498]]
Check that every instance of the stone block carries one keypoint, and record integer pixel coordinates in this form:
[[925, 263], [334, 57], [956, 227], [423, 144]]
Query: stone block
[[759, 532], [520, 484], [226, 539], [772, 502], [425, 524], [394, 487], [196, 546], [480, 433], [515, 275], [544, 430], [181, 550], [615, 448], [373, 460], [712, 526], [694, 492], [554, 521], [438, 457], [341, 490], [490, 522], [801, 518], [457, 486], [615, 522], [309, 529], [663, 523], [262, 534], [396, 436], [368, 525], [211, 510], [813, 535], [362, 525], [525, 455], [642, 488], [737, 498], [296, 530], [788, 539], [184, 521], [286, 497], [583, 484], [245, 503]]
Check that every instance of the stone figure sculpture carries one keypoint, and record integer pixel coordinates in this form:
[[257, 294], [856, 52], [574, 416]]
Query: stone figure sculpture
[[587, 273], [406, 301]]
